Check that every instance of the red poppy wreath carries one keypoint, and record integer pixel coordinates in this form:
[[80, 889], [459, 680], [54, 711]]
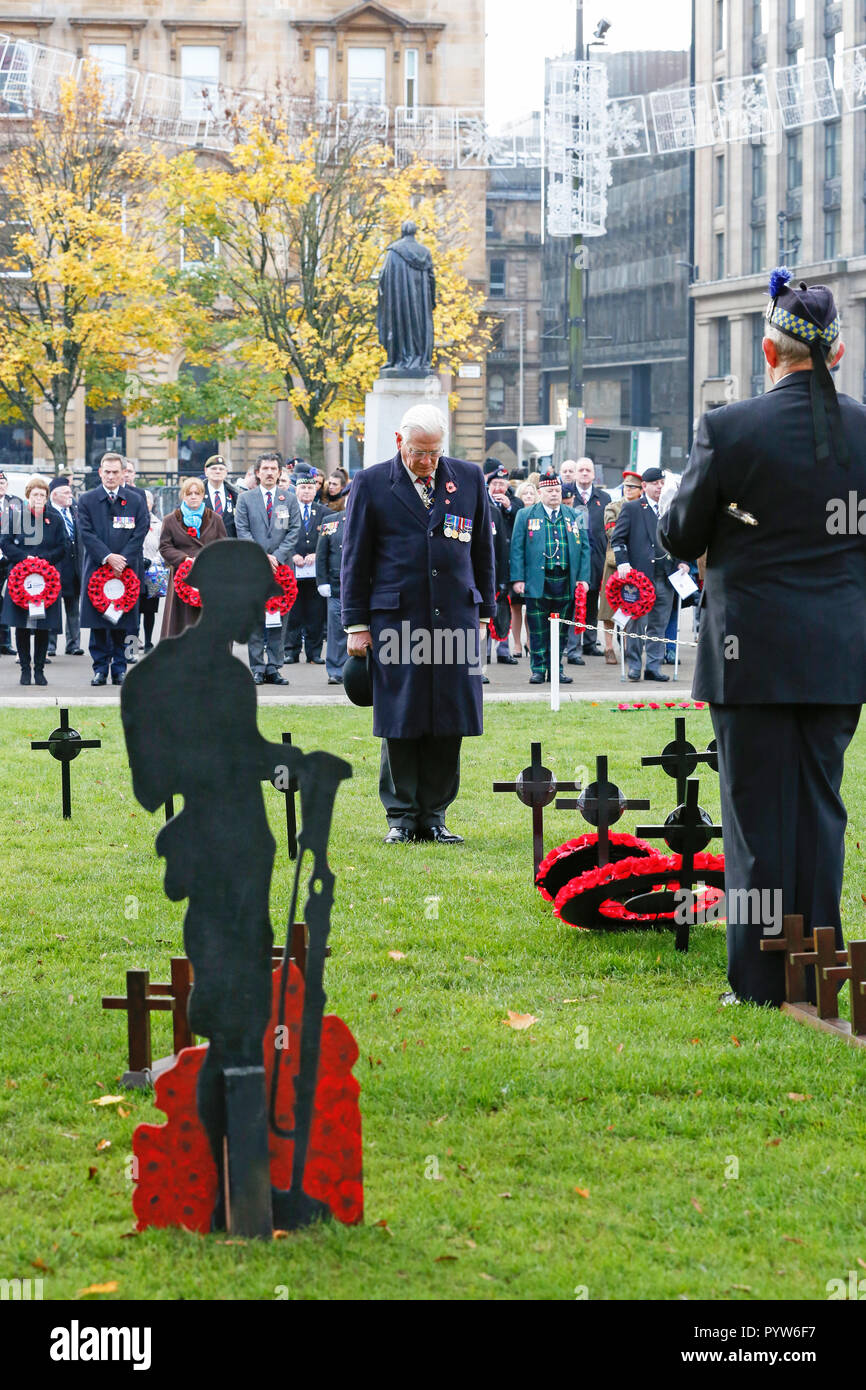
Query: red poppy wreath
[[33, 582], [633, 593], [185, 592], [113, 594], [579, 608], [282, 603], [597, 898], [579, 856]]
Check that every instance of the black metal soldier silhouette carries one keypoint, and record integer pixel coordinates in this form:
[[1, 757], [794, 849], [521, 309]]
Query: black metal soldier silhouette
[[189, 717]]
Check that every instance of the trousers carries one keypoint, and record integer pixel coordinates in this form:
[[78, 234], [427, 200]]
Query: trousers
[[419, 778], [108, 648], [305, 622], [780, 771], [653, 625], [336, 653]]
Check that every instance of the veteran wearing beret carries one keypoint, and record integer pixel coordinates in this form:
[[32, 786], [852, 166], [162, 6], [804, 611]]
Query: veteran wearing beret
[[550, 556], [782, 647]]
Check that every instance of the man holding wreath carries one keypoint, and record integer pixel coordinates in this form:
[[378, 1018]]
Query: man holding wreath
[[113, 521], [637, 546]]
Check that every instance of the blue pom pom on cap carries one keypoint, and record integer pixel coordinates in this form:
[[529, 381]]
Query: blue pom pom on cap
[[779, 279]]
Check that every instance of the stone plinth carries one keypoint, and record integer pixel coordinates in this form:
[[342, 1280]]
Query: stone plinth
[[387, 403]]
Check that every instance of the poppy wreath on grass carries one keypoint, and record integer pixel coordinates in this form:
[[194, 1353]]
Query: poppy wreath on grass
[[597, 899], [633, 593], [579, 609], [33, 581], [579, 856], [185, 592], [106, 597], [282, 603]]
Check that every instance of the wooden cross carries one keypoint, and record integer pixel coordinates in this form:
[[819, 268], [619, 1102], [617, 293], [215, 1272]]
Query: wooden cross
[[794, 944], [536, 787], [824, 957], [855, 972], [686, 832], [602, 804], [290, 791], [141, 1000], [680, 758], [65, 744]]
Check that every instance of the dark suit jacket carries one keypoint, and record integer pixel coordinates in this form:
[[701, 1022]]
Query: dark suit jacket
[[111, 528], [329, 550], [24, 546], [229, 509], [309, 539], [70, 568], [598, 500], [636, 542], [400, 572], [10, 508], [784, 601]]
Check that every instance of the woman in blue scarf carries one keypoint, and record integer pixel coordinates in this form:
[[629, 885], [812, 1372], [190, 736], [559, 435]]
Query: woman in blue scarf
[[185, 532]]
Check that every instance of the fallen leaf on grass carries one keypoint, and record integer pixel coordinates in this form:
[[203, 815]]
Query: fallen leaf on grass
[[123, 1113], [91, 1172], [441, 1259], [102, 1145], [861, 1263], [620, 1046], [61, 938], [384, 1226], [373, 998], [488, 1277], [39, 1263], [736, 1042], [107, 1100], [582, 1191], [280, 1235], [795, 1095], [519, 1021], [127, 940], [697, 1206], [64, 1135], [397, 1011], [11, 1085], [397, 955], [772, 1143], [110, 1287], [746, 1288], [696, 1042], [472, 1244], [127, 1235], [473, 960], [795, 1240], [503, 1194]]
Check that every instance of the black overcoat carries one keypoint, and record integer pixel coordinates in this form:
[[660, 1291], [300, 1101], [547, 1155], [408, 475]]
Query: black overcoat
[[402, 574], [635, 540], [598, 500], [783, 605], [18, 545], [104, 528]]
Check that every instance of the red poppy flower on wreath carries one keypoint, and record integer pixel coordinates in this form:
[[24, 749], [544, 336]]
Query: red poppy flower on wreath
[[282, 603], [33, 583], [185, 592], [633, 593], [579, 609], [113, 594]]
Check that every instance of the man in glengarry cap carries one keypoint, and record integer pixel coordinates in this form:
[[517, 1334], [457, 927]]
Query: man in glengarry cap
[[782, 647]]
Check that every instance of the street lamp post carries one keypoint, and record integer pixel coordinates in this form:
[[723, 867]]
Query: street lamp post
[[576, 427]]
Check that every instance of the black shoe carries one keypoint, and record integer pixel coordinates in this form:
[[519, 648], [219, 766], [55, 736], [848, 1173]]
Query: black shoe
[[398, 835], [100, 678], [258, 678], [316, 660], [39, 676], [75, 651], [633, 678], [507, 660], [668, 661], [290, 660], [593, 651], [576, 661], [117, 677], [148, 647], [131, 660], [440, 835], [655, 676], [7, 651], [24, 678], [485, 680], [334, 680], [536, 680], [277, 679], [566, 680], [48, 661]]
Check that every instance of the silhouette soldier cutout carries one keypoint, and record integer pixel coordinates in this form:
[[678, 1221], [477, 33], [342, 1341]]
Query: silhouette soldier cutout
[[189, 717]]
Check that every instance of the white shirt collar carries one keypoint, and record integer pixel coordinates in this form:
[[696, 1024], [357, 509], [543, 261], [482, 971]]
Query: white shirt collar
[[265, 490], [551, 511], [414, 476]]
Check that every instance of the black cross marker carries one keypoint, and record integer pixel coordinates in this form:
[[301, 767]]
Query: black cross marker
[[680, 758], [602, 804], [686, 831], [536, 786], [290, 791], [64, 744]]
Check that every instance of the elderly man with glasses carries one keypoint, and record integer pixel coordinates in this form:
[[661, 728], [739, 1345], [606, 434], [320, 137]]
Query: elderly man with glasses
[[417, 588]]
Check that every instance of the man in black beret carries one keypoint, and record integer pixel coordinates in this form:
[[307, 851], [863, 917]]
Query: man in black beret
[[637, 546], [503, 510], [767, 494]]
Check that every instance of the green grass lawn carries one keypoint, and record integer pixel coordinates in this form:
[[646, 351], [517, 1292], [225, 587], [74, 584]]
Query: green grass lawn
[[476, 1138]]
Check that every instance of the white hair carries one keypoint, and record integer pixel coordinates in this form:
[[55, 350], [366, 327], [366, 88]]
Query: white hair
[[424, 419], [793, 349]]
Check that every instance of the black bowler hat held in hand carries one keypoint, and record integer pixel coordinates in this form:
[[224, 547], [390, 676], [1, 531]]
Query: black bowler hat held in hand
[[358, 679]]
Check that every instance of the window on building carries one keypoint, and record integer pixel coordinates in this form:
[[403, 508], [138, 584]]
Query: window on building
[[495, 395], [759, 247], [796, 9], [110, 59], [196, 247], [200, 71], [323, 74], [723, 347], [16, 69], [794, 160], [497, 279], [832, 150], [491, 222], [410, 73], [721, 23], [12, 265], [835, 45], [793, 238], [759, 17], [720, 180], [192, 453], [104, 431], [832, 234], [366, 80], [720, 255], [16, 444], [759, 171]]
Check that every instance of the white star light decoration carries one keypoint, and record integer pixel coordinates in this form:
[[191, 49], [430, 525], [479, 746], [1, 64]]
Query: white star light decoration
[[854, 78]]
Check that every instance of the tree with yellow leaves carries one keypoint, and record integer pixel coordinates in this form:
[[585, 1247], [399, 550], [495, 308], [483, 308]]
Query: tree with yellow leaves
[[83, 297], [303, 212]]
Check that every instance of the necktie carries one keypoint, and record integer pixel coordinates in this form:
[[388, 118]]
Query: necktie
[[112, 496], [427, 485], [67, 522], [306, 516], [584, 497], [218, 504], [269, 504]]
